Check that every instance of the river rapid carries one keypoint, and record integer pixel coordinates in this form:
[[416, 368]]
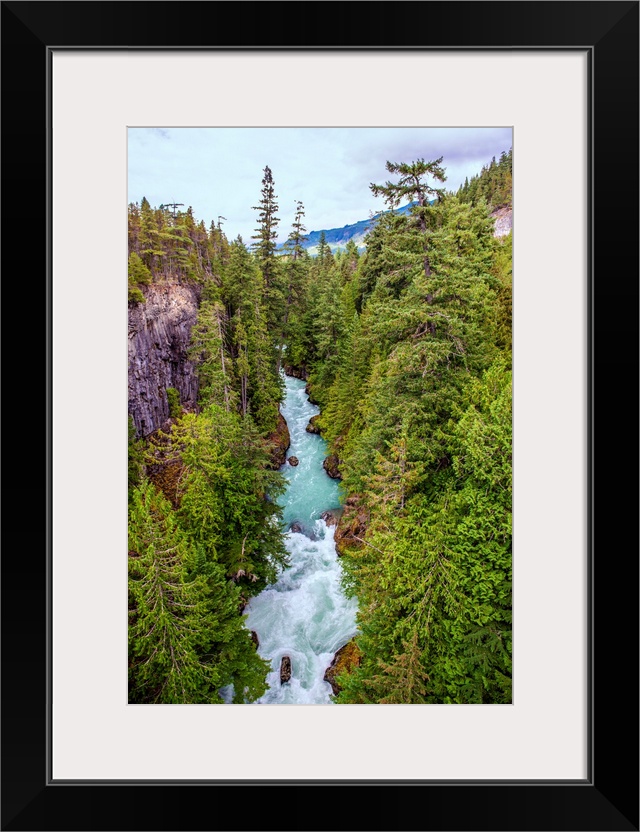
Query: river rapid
[[305, 614]]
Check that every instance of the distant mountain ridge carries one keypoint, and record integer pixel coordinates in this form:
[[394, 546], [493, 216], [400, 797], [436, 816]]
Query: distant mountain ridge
[[337, 238]]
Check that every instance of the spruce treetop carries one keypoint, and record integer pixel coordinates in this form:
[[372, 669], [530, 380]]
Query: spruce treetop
[[411, 184]]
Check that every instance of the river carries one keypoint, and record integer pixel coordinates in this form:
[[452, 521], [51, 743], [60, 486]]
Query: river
[[305, 615]]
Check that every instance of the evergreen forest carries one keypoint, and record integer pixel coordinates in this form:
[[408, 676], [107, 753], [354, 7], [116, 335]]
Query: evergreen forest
[[406, 350]]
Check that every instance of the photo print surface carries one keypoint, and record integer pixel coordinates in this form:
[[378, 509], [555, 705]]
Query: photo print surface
[[320, 415]]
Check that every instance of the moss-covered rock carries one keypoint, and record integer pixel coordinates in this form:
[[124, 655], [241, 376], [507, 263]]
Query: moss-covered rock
[[352, 525], [278, 443], [313, 427], [330, 465], [344, 661]]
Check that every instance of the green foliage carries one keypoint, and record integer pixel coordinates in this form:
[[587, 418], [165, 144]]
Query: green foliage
[[266, 232], [173, 399], [434, 580], [493, 183], [503, 311], [296, 277], [186, 639], [265, 247], [192, 569], [235, 356], [210, 352], [411, 184], [224, 487], [194, 562], [135, 295], [409, 353], [415, 390], [258, 383], [162, 245], [138, 272], [135, 458]]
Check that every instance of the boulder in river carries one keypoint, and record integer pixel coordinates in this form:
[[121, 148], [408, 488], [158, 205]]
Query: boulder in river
[[330, 465], [285, 670], [312, 427], [331, 517], [293, 460], [344, 661], [296, 527]]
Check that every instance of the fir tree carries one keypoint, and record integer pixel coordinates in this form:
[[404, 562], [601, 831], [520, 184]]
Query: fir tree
[[209, 350], [186, 639], [413, 187], [265, 247], [296, 272], [245, 293]]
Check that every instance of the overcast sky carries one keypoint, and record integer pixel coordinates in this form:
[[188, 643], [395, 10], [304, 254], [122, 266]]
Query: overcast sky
[[218, 171]]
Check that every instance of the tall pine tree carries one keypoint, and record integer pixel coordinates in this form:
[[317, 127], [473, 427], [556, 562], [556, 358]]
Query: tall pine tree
[[413, 186], [265, 251]]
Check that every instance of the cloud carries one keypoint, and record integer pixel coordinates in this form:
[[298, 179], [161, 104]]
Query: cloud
[[219, 170]]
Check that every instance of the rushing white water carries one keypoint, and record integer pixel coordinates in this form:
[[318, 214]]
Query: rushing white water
[[304, 615]]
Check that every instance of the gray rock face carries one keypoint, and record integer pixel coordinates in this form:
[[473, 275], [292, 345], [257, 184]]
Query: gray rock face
[[159, 332], [503, 218]]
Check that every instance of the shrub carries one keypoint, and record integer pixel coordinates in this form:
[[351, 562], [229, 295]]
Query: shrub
[[173, 397]]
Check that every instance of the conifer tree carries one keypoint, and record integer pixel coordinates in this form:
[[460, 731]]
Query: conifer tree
[[245, 293], [413, 186], [168, 622], [186, 639], [324, 251], [222, 499], [148, 235], [208, 348], [133, 227], [297, 235], [295, 275], [265, 245], [265, 248]]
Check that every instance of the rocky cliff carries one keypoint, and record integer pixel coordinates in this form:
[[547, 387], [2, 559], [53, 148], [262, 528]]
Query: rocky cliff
[[503, 219], [159, 332]]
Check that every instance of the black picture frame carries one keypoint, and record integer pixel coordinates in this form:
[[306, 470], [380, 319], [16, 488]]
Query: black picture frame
[[608, 799]]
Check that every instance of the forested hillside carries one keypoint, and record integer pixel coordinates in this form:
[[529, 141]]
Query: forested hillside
[[493, 184], [203, 537], [407, 350]]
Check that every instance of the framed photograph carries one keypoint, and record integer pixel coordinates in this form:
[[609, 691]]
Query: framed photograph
[[563, 78]]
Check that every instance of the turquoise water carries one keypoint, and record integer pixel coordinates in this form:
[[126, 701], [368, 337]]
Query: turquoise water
[[310, 490], [305, 614]]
